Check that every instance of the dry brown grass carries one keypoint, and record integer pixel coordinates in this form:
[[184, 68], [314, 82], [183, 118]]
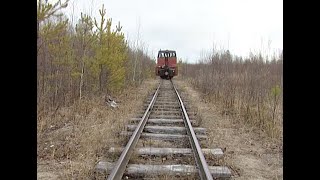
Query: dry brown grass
[[72, 139], [249, 153], [251, 90]]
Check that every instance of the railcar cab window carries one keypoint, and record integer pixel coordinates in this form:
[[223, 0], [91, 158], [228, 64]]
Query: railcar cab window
[[160, 55], [166, 54]]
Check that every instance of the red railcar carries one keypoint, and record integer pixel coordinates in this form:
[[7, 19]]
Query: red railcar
[[166, 64]]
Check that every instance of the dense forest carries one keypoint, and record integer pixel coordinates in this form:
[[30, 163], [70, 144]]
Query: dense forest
[[89, 58]]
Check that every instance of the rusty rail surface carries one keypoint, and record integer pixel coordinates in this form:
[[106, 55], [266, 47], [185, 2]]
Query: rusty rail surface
[[203, 168], [124, 158]]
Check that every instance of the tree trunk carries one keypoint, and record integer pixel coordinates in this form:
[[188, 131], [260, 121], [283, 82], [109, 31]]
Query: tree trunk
[[81, 78], [100, 78]]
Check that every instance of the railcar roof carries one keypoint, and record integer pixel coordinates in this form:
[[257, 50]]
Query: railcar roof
[[166, 51]]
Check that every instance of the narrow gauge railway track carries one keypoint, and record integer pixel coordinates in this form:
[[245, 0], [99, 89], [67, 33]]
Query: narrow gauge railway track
[[165, 143]]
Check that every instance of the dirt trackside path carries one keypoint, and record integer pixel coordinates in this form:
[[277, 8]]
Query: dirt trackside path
[[248, 153], [71, 141]]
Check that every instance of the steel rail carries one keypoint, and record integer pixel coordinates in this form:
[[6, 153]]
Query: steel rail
[[202, 165], [118, 170]]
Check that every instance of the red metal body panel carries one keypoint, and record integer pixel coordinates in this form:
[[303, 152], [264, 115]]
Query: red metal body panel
[[160, 62], [172, 61]]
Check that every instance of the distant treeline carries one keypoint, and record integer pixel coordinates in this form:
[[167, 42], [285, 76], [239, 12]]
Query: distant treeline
[[249, 88]]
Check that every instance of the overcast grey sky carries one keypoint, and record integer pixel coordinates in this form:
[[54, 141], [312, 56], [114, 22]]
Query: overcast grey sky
[[193, 27]]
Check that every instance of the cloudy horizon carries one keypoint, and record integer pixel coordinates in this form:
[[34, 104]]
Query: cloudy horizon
[[193, 28]]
